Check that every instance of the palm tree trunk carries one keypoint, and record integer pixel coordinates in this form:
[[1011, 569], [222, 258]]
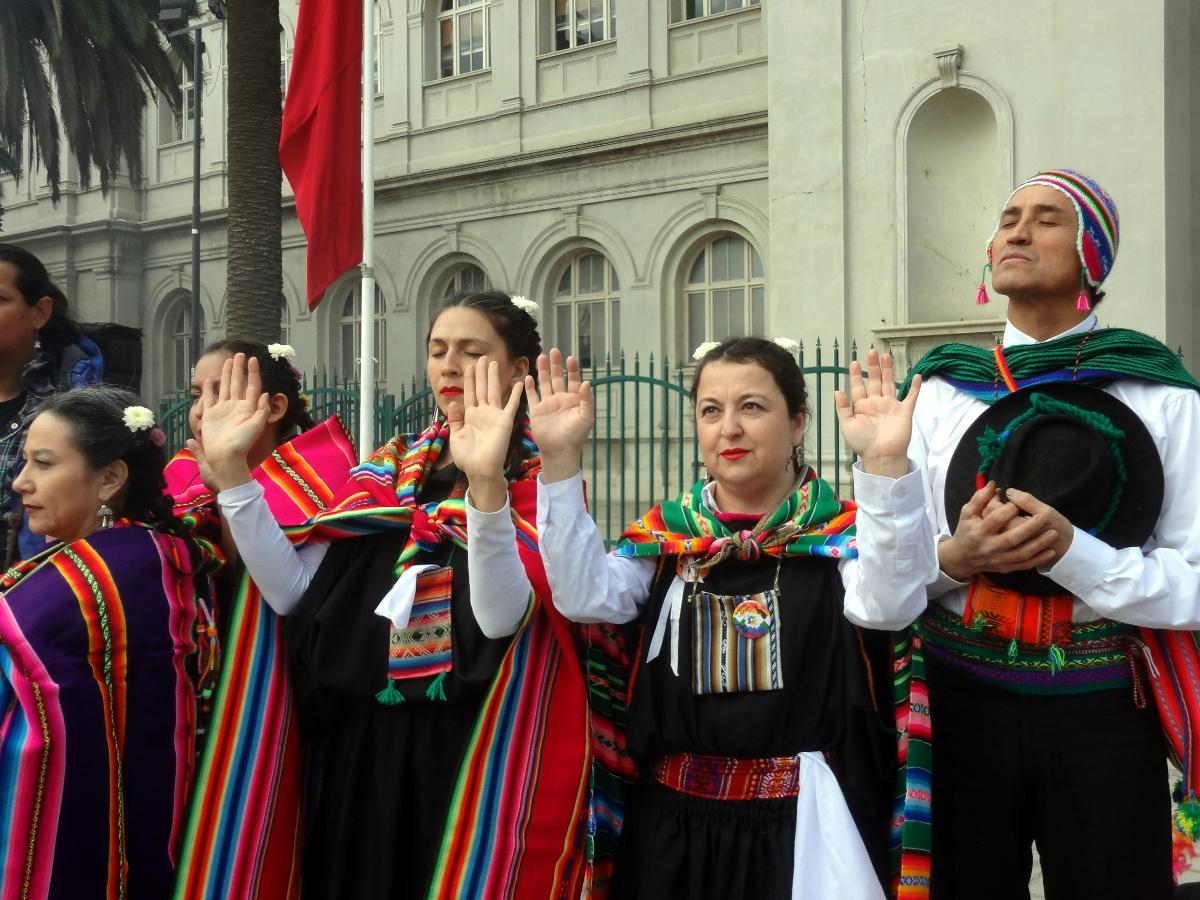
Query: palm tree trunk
[[255, 261]]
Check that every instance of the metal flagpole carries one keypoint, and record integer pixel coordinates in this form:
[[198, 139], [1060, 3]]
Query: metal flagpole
[[366, 365]]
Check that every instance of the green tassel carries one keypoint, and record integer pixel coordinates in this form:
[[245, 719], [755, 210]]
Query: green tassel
[[1187, 817], [1013, 649], [978, 622], [390, 695], [1058, 659], [437, 688]]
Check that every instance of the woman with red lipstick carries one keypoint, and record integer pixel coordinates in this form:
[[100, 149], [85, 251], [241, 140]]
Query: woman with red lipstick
[[105, 651], [760, 715], [446, 712]]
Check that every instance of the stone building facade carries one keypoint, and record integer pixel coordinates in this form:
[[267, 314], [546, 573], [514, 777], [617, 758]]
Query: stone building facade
[[660, 172]]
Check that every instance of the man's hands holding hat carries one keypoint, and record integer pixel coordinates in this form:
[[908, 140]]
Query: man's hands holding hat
[[997, 536]]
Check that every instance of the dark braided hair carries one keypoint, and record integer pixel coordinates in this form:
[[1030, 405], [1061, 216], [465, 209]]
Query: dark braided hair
[[781, 365], [517, 328], [278, 377], [33, 281], [96, 416]]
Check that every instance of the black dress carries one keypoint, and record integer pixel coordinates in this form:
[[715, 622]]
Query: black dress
[[383, 774], [679, 846]]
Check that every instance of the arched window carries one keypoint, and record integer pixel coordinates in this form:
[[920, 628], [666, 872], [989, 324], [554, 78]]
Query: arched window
[[587, 309], [462, 36], [467, 277], [349, 334], [177, 355], [724, 292]]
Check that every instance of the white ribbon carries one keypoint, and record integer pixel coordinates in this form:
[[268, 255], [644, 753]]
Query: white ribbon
[[397, 603], [830, 860], [671, 609]]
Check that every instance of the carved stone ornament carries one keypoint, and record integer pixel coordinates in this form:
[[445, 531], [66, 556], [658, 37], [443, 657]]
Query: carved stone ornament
[[949, 61]]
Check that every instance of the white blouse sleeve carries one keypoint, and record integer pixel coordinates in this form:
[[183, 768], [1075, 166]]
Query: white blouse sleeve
[[499, 586], [588, 584], [897, 553], [282, 571]]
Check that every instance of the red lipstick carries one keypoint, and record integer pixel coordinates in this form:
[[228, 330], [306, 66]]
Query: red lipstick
[[734, 453]]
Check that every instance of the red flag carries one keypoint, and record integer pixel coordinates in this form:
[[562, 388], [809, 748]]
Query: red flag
[[319, 143]]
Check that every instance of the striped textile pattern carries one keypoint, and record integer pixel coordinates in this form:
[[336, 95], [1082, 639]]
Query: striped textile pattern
[[810, 522], [911, 821], [243, 834], [520, 805], [97, 746], [423, 648], [726, 661]]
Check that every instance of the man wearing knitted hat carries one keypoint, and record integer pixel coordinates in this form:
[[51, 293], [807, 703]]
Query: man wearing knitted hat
[[1048, 642]]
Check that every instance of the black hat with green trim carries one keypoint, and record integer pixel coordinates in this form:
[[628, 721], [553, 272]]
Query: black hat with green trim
[[1076, 448]]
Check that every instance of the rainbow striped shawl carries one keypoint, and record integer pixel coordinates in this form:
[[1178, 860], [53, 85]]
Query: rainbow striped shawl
[[810, 522], [243, 836], [98, 643], [519, 809]]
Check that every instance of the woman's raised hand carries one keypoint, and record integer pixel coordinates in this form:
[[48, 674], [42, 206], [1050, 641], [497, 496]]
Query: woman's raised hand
[[233, 416], [481, 430], [876, 425], [562, 411]]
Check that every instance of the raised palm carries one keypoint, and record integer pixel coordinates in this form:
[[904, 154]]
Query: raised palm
[[874, 422], [481, 427], [234, 413], [561, 407]]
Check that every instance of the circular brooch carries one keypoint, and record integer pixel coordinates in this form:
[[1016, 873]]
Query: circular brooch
[[752, 619]]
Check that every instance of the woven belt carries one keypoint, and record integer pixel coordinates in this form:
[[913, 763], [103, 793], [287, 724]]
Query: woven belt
[[725, 778], [1100, 656]]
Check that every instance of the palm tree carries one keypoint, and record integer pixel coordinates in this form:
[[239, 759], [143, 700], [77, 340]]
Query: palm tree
[[90, 65], [254, 225]]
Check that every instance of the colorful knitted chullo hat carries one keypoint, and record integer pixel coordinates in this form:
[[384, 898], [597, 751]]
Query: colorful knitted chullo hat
[[1099, 227]]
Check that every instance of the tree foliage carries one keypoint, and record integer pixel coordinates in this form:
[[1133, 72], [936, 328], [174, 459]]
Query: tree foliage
[[82, 70]]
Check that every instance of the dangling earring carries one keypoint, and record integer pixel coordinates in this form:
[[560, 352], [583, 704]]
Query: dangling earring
[[105, 515], [37, 340], [981, 297], [1082, 303], [796, 460]]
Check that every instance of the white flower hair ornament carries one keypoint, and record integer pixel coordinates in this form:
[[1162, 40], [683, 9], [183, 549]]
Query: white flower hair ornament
[[527, 306], [787, 344], [704, 349], [138, 418], [281, 351]]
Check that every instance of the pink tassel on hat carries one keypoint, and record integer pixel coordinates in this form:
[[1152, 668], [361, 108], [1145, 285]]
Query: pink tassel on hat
[[981, 298], [1082, 303]]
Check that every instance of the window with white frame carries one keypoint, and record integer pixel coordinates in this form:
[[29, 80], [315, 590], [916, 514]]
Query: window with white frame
[[685, 10], [285, 321], [350, 333], [285, 65], [179, 124], [587, 309], [177, 356], [578, 23], [377, 67], [724, 292], [462, 36], [466, 277]]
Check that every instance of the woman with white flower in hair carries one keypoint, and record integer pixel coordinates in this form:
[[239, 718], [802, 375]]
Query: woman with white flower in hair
[[446, 708], [760, 715], [106, 646], [243, 836]]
